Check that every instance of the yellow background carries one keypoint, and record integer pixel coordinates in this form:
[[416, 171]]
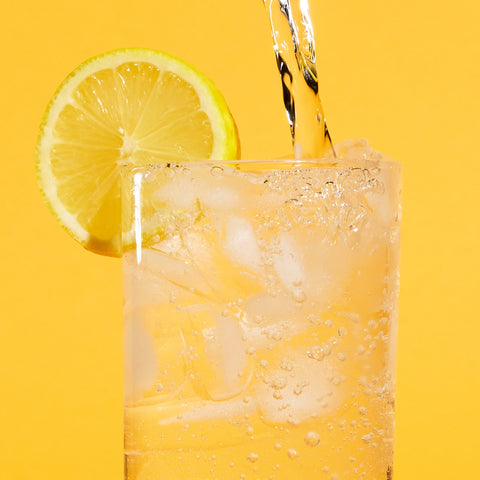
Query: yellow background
[[403, 74]]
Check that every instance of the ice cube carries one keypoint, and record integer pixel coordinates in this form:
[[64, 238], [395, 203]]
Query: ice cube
[[179, 191], [176, 273], [287, 262], [217, 354], [141, 363], [353, 149], [241, 245]]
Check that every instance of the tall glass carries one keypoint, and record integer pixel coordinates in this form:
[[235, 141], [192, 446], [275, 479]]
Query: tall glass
[[261, 318]]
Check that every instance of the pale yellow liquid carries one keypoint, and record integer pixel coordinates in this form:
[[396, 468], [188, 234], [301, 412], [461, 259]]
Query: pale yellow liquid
[[276, 362]]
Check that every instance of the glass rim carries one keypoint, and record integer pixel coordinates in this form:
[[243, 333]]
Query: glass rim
[[263, 165]]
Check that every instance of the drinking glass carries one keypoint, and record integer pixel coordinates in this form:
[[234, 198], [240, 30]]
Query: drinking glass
[[260, 318]]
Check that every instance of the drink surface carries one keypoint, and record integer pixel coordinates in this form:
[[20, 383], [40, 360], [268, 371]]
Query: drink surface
[[260, 320]]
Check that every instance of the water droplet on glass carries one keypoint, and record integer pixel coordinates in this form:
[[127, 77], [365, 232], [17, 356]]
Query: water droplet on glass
[[342, 357], [362, 411]]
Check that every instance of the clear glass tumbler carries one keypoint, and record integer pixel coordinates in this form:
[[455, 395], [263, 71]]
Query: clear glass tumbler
[[260, 319]]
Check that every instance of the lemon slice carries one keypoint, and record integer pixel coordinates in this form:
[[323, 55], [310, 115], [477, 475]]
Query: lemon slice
[[131, 106]]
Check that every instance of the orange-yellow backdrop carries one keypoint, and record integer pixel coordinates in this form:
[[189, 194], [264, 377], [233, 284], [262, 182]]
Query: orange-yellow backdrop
[[403, 74]]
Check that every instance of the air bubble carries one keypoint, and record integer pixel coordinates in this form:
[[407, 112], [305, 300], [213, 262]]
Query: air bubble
[[252, 457], [312, 439], [216, 171], [368, 437], [362, 411], [292, 454], [342, 332], [286, 365], [360, 350], [279, 383], [342, 357], [316, 353], [314, 319]]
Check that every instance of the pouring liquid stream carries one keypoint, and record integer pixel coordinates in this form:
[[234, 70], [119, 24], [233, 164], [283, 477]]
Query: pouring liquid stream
[[294, 46]]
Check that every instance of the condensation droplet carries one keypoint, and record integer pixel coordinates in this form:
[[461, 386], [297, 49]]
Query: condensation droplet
[[328, 323], [362, 411], [250, 431], [312, 439], [277, 446], [342, 357], [277, 394]]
